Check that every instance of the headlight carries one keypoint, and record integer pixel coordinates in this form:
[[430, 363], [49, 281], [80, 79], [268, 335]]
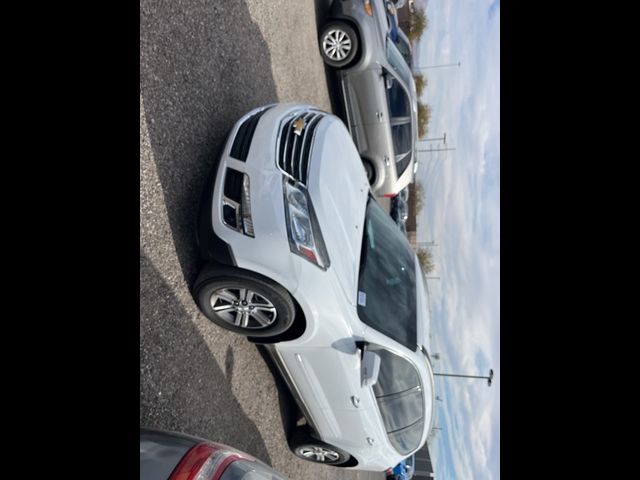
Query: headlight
[[247, 221], [305, 238]]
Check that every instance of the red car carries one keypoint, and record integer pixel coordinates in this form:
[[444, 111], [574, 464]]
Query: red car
[[175, 456]]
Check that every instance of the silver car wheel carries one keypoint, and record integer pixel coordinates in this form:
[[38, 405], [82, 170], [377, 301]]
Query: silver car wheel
[[319, 454], [336, 44], [242, 307]]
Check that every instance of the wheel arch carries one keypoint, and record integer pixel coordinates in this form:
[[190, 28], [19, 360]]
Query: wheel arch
[[356, 28], [213, 269]]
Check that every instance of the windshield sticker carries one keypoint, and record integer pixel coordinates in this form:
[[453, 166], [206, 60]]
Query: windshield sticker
[[362, 299]]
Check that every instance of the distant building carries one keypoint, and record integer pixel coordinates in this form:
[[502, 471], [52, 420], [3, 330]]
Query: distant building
[[404, 16], [424, 467]]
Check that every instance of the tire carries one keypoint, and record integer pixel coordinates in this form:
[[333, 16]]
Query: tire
[[273, 309], [342, 36], [370, 170], [305, 447]]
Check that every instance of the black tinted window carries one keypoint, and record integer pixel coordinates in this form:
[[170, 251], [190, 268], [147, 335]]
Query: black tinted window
[[387, 283], [398, 101], [401, 411], [401, 138], [408, 439], [396, 374], [399, 396]]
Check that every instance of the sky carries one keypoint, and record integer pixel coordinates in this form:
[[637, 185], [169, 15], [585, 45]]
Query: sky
[[462, 215]]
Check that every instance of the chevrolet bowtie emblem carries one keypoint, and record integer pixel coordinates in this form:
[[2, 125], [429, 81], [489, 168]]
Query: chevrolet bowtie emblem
[[298, 126]]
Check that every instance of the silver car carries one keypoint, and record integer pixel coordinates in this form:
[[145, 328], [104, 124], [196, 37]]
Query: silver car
[[378, 91]]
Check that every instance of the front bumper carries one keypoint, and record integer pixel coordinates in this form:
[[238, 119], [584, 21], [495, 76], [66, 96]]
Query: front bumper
[[267, 252]]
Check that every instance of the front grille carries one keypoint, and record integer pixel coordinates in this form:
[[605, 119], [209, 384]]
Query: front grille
[[294, 150], [242, 142]]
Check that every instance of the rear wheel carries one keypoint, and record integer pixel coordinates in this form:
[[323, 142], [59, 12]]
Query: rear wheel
[[306, 447], [371, 172], [338, 44], [244, 302]]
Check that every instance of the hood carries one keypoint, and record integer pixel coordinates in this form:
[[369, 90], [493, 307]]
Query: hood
[[338, 188]]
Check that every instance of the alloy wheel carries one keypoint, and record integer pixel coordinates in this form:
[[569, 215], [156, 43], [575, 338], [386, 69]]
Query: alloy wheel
[[336, 44], [319, 454], [243, 307]]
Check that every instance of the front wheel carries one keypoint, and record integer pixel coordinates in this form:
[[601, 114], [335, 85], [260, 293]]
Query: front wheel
[[338, 44], [244, 303]]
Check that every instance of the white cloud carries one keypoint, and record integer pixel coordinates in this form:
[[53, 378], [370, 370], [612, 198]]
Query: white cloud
[[462, 214]]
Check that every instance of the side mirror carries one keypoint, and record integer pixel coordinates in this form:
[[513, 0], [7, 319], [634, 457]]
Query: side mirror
[[370, 368], [388, 81]]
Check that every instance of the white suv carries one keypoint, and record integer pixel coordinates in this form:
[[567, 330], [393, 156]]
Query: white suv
[[317, 271]]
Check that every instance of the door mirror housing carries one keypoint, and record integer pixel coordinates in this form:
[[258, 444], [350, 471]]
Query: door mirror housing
[[370, 368], [388, 81]]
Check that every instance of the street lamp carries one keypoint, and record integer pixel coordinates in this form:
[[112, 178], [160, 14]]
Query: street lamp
[[489, 378], [440, 66], [443, 138], [437, 150]]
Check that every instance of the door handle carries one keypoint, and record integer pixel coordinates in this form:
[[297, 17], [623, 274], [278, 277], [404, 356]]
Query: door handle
[[379, 114]]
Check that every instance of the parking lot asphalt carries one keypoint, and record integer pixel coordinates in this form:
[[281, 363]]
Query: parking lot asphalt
[[202, 65]]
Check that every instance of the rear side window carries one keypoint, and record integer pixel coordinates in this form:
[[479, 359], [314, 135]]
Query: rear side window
[[401, 138], [402, 163], [398, 101], [400, 400]]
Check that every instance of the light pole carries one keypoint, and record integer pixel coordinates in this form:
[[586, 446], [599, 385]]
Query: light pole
[[427, 244], [440, 66], [443, 138], [437, 150], [489, 378]]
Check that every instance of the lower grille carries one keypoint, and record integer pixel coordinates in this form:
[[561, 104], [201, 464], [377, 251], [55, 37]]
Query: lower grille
[[294, 143], [233, 184]]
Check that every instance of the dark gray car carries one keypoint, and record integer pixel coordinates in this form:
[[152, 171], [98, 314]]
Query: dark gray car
[[377, 89], [175, 456]]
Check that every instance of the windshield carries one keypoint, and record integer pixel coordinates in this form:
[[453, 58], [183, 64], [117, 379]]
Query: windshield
[[404, 47], [387, 283], [398, 62]]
